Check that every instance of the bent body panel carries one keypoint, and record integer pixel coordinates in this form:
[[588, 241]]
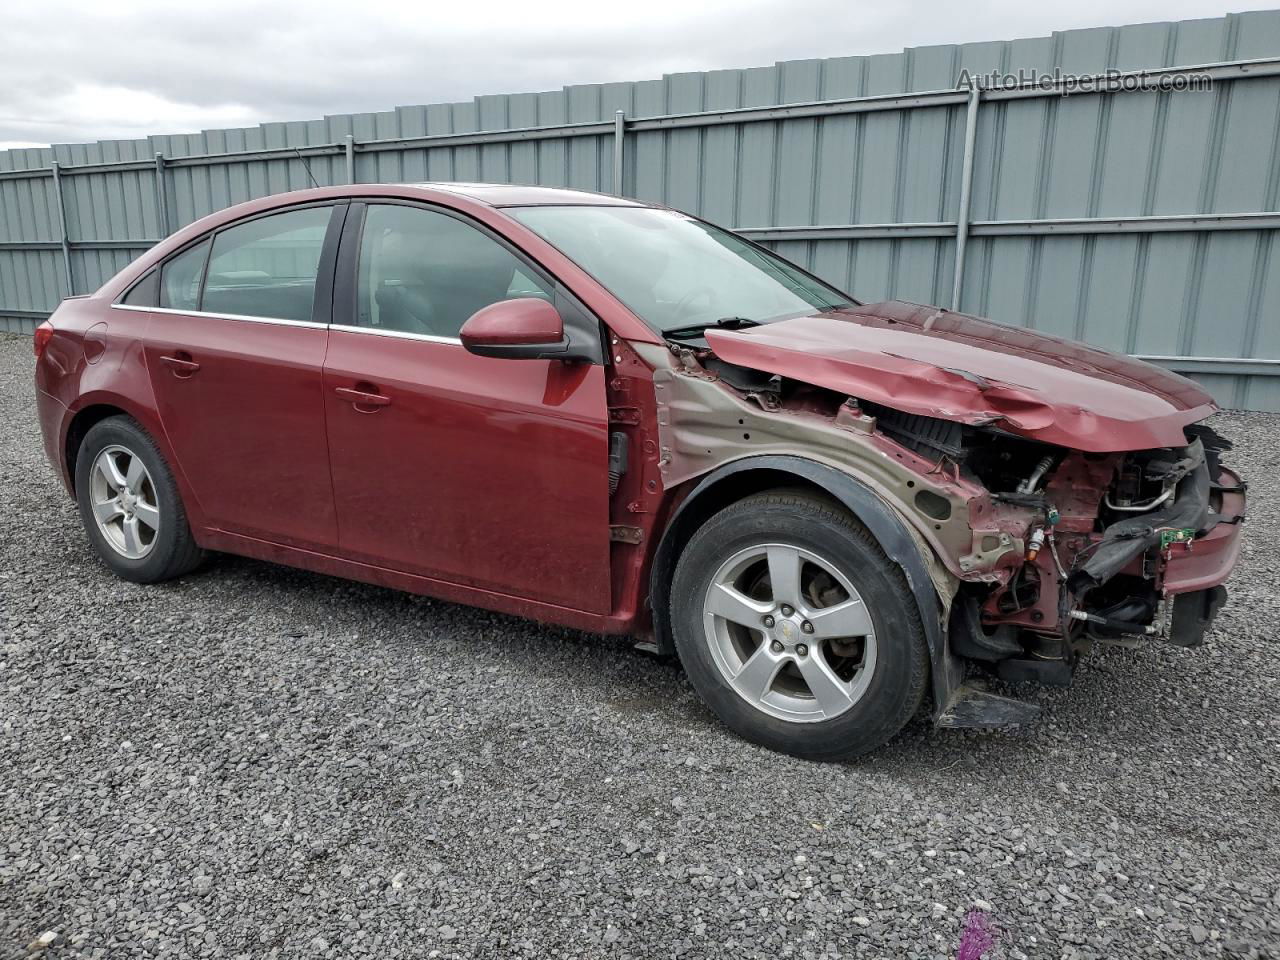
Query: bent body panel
[[952, 366]]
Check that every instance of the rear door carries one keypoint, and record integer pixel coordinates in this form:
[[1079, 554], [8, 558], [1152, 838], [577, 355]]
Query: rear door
[[485, 472], [235, 352]]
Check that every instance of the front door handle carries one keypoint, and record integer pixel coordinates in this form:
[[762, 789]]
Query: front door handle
[[181, 364], [363, 398]]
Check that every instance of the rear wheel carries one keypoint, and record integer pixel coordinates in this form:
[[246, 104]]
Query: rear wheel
[[130, 505], [796, 629]]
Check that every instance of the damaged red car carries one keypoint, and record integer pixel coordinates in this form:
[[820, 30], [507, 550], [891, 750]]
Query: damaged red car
[[608, 415]]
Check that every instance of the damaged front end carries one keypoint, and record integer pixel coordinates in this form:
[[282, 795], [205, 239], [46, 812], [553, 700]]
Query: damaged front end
[[1042, 534], [1109, 547]]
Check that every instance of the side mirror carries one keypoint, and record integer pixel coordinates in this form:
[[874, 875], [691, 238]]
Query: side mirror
[[525, 329]]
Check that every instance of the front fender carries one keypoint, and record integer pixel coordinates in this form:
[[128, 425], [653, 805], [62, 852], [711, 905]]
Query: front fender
[[882, 520]]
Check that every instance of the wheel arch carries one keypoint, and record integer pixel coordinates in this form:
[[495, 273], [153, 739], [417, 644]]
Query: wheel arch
[[95, 407], [742, 478], [78, 427]]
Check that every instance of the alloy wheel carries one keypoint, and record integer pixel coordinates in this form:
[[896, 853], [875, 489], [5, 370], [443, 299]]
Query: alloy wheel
[[789, 633], [123, 497]]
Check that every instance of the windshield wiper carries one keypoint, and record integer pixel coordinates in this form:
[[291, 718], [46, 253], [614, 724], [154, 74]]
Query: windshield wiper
[[724, 323]]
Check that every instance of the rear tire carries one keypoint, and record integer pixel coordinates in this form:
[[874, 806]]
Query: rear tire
[[130, 505], [829, 665]]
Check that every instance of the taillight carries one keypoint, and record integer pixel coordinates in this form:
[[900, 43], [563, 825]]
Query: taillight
[[43, 334]]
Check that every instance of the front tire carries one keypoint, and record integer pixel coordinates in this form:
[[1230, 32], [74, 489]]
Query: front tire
[[796, 629], [130, 505]]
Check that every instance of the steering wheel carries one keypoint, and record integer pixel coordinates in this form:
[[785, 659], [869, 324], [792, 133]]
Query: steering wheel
[[685, 303]]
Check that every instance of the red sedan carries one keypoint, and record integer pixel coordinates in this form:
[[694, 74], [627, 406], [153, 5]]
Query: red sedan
[[613, 416]]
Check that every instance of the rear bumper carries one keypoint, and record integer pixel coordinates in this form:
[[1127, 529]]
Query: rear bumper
[[1208, 561]]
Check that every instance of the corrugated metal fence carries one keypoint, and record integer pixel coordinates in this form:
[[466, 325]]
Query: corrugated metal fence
[[1139, 221]]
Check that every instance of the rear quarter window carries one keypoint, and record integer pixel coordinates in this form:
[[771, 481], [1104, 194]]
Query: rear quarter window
[[146, 292], [180, 278]]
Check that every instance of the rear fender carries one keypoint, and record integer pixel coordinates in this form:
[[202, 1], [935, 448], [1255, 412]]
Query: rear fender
[[140, 408]]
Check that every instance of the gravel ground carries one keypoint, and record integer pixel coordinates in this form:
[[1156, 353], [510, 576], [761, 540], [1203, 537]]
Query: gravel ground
[[261, 762]]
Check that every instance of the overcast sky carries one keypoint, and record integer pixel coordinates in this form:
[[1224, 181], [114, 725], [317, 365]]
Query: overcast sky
[[93, 70]]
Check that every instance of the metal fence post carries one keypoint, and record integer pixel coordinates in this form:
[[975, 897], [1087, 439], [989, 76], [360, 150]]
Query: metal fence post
[[966, 189], [619, 140], [162, 196], [350, 148], [62, 227]]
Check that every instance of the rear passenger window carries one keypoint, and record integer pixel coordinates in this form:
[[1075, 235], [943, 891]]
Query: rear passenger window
[[180, 278], [267, 267]]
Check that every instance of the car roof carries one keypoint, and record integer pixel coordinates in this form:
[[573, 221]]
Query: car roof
[[521, 195]]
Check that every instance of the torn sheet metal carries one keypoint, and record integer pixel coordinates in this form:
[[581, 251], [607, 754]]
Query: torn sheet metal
[[965, 369], [703, 424]]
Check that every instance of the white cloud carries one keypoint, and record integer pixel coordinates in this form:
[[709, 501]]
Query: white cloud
[[126, 112], [86, 71]]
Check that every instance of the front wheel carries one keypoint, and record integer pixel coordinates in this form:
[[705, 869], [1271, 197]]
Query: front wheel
[[796, 629]]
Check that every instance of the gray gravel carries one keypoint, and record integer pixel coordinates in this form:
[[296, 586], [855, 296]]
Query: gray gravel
[[257, 762]]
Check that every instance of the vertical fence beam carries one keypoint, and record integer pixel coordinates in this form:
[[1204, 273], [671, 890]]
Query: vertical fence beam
[[162, 196], [62, 226], [349, 147], [966, 190], [619, 141]]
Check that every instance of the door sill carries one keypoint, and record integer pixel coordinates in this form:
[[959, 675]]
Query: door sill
[[618, 622]]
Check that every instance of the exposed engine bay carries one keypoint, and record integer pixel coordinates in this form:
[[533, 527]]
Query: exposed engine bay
[[1047, 548], [1099, 533]]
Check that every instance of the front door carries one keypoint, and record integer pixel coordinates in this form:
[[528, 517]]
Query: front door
[[483, 472], [235, 355]]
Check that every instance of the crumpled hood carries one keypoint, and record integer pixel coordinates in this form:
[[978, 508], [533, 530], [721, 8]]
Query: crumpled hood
[[922, 360]]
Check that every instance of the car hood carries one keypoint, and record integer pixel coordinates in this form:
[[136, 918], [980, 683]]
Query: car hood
[[937, 363]]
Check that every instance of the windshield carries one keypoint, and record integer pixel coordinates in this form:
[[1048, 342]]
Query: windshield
[[678, 274]]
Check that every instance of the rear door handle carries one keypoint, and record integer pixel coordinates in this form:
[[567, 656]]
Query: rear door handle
[[181, 364], [362, 398]]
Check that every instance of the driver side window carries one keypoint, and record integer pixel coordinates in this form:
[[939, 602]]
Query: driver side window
[[426, 273]]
